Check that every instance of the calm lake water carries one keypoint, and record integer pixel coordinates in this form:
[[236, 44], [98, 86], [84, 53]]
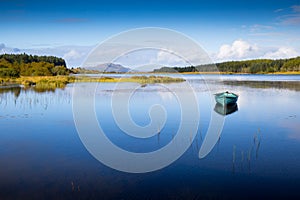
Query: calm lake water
[[256, 156]]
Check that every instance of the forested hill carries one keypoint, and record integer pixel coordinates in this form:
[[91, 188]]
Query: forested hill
[[247, 66], [15, 65]]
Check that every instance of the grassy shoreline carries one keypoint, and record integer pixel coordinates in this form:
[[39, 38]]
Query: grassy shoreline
[[52, 82], [233, 73], [221, 73]]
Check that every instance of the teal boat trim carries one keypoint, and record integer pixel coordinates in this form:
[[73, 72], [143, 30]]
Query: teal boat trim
[[226, 98]]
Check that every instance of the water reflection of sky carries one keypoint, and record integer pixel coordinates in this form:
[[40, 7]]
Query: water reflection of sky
[[257, 155], [235, 77]]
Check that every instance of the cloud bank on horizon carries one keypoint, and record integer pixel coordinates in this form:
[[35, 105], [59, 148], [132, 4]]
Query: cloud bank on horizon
[[238, 50], [227, 30]]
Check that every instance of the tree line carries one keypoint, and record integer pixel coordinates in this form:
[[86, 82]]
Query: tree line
[[16, 65], [248, 66]]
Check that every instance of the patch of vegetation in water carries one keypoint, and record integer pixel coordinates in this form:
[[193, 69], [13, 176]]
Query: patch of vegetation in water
[[52, 82], [152, 79], [290, 85]]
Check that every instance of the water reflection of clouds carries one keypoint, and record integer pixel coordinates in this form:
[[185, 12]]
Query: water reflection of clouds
[[262, 99], [292, 123], [143, 99], [165, 94]]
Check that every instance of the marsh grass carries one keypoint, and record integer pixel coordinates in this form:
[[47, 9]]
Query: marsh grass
[[151, 79], [44, 83]]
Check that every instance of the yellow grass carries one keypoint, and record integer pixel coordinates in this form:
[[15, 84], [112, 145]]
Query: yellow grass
[[276, 73], [287, 73], [52, 82]]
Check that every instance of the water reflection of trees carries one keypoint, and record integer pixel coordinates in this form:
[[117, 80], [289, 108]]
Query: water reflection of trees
[[14, 90], [290, 85], [23, 98]]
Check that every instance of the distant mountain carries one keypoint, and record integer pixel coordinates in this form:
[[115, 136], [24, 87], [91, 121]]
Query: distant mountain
[[110, 67]]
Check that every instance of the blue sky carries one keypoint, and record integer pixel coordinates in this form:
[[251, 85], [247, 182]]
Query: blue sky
[[227, 30]]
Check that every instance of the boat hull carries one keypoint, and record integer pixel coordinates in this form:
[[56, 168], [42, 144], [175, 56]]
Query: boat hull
[[226, 98], [227, 109]]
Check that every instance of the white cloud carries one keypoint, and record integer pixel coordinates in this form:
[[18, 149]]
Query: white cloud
[[282, 52], [4, 49], [279, 10], [260, 27], [292, 18], [296, 8], [2, 46], [239, 49], [72, 54], [169, 59]]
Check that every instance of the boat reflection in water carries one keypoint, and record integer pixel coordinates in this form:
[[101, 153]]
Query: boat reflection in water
[[225, 109]]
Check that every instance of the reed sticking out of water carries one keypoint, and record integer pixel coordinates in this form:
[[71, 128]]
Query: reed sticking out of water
[[200, 134], [249, 159], [191, 138], [254, 139], [218, 143], [242, 160], [197, 146], [258, 143], [233, 153], [246, 156], [158, 134], [233, 159], [75, 189]]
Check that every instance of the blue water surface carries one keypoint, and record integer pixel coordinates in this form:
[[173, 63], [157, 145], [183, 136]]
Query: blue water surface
[[256, 156]]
